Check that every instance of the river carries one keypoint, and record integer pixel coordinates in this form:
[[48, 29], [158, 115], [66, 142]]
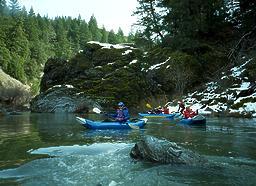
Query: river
[[54, 149]]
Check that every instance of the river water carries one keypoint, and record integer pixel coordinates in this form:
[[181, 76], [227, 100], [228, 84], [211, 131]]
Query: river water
[[54, 149]]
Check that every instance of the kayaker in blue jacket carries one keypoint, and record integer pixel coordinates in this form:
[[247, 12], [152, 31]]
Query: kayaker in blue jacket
[[122, 113]]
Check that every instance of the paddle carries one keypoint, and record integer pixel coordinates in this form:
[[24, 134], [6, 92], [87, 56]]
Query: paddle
[[167, 104], [149, 106], [98, 111]]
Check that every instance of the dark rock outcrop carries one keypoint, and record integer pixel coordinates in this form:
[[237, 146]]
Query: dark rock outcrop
[[162, 151], [62, 99], [103, 72]]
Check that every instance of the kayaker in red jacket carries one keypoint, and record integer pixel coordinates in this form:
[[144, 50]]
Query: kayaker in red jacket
[[189, 113]]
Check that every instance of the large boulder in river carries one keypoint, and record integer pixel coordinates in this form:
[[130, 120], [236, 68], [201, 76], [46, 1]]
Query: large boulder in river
[[110, 73], [62, 98], [162, 151]]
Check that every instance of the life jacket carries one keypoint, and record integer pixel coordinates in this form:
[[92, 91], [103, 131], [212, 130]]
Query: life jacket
[[122, 114], [166, 111], [189, 114]]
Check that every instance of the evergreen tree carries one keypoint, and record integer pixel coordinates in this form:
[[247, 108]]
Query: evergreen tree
[[150, 18], [74, 34], [104, 33], [93, 27], [3, 8], [187, 18], [247, 14], [47, 36], [85, 34], [18, 45], [120, 36], [130, 38], [32, 65], [4, 56], [14, 7], [62, 45], [112, 37]]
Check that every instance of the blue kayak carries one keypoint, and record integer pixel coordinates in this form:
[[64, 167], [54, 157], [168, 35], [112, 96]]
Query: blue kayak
[[90, 124], [196, 120], [152, 115]]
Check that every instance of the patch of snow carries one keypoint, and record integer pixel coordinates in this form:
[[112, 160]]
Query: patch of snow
[[172, 108], [98, 67], [157, 66], [69, 86], [56, 86], [224, 77], [245, 85], [212, 86], [204, 112], [133, 61], [249, 107], [109, 46], [126, 52], [110, 63], [237, 71], [242, 98]]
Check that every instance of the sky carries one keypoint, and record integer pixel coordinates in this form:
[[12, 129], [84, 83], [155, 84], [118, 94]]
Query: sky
[[110, 13]]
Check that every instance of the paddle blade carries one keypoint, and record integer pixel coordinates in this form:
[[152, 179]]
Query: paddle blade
[[167, 104], [148, 106], [96, 110], [134, 127]]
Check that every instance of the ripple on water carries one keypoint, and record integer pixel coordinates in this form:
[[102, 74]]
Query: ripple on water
[[110, 164]]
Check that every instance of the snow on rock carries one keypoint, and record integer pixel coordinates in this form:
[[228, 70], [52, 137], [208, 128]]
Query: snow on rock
[[109, 46], [157, 66], [213, 101], [133, 61], [126, 52]]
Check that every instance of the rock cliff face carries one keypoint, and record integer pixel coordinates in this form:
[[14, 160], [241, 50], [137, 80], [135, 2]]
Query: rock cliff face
[[162, 151], [13, 94], [101, 73], [105, 74]]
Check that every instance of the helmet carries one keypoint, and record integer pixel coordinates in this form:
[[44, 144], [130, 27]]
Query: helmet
[[120, 104]]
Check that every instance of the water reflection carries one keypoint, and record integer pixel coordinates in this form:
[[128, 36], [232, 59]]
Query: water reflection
[[11, 125]]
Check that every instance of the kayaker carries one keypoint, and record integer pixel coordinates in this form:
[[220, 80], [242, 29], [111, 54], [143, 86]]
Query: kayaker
[[165, 110], [156, 110], [181, 106], [122, 113], [189, 113]]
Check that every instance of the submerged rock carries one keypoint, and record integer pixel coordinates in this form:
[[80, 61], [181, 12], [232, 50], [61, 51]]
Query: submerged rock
[[162, 151]]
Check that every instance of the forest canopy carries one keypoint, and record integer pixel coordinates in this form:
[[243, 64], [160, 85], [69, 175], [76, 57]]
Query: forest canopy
[[27, 40]]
